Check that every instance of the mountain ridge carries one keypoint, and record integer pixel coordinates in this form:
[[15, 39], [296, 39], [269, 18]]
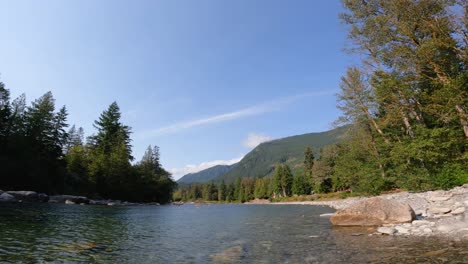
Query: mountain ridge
[[205, 175]]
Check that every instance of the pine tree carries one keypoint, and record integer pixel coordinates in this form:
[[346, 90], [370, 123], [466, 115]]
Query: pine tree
[[308, 168], [110, 166], [5, 115], [222, 191], [286, 180]]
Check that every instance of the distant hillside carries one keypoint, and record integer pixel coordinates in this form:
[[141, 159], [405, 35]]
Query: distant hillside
[[261, 160], [205, 175]]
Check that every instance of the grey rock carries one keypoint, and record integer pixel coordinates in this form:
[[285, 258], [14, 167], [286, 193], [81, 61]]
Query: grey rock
[[386, 230], [427, 230], [374, 212], [459, 210], [28, 196], [5, 197], [439, 198], [71, 198], [420, 222], [42, 197], [69, 202], [402, 230], [440, 210]]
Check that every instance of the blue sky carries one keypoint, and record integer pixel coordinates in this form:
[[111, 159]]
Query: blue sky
[[205, 80]]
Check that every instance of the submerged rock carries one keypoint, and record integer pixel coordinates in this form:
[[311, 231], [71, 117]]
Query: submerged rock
[[374, 212], [229, 255]]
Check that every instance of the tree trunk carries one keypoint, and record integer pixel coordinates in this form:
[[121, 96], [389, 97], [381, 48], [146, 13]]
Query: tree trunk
[[463, 119]]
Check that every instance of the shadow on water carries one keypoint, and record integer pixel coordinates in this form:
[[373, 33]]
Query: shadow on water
[[33, 233], [47, 232]]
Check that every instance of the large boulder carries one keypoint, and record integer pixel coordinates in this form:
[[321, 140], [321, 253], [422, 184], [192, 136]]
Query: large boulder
[[374, 212], [28, 196], [5, 197]]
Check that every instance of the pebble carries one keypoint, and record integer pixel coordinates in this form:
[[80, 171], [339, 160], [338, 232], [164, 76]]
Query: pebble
[[459, 210], [402, 230], [439, 198], [427, 230], [440, 210], [386, 230], [420, 222]]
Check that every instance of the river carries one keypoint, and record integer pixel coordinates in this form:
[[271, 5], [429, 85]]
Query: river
[[38, 233]]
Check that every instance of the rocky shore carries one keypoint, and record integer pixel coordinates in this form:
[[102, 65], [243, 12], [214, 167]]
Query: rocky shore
[[438, 213], [30, 196]]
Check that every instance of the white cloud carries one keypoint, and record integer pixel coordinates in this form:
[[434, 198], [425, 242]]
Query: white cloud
[[254, 139], [179, 172], [245, 112]]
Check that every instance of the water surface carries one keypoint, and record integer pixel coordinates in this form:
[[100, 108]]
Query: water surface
[[32, 233]]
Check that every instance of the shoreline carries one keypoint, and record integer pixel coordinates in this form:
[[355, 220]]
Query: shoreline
[[438, 213]]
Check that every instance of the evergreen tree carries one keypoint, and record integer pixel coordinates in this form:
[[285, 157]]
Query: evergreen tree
[[238, 189], [110, 166], [308, 169], [286, 180], [222, 191]]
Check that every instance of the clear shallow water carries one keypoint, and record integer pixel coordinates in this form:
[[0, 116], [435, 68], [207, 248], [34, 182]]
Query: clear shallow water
[[31, 233]]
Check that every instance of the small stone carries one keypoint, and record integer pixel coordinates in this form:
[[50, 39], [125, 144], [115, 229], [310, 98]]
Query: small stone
[[435, 253], [402, 230], [69, 202], [459, 210], [427, 230], [420, 222], [440, 210], [439, 198], [386, 230]]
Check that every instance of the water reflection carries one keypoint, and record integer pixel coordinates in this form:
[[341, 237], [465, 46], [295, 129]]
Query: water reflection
[[202, 234]]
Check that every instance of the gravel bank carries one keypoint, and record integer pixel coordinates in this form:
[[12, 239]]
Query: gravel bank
[[439, 213]]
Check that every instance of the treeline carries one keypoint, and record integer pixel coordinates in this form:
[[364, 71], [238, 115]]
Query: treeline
[[406, 101], [282, 184], [38, 152]]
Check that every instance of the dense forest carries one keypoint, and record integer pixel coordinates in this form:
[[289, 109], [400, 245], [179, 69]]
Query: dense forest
[[38, 152], [404, 104]]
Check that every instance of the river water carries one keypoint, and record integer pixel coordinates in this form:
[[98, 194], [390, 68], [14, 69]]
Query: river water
[[41, 233]]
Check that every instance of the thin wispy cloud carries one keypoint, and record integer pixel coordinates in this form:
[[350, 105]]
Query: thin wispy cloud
[[259, 109]]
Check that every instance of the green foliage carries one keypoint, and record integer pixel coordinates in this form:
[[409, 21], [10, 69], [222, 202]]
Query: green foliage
[[300, 185], [450, 176], [37, 153], [408, 109], [261, 161]]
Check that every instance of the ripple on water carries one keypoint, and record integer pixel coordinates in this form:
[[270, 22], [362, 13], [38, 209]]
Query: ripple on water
[[33, 233]]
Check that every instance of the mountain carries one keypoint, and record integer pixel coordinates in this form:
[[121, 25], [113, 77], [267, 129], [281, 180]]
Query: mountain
[[205, 175], [261, 160]]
